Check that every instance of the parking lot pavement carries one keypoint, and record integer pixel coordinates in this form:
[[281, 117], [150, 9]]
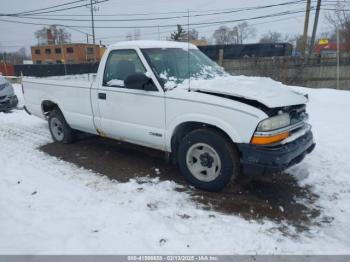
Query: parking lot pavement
[[277, 196]]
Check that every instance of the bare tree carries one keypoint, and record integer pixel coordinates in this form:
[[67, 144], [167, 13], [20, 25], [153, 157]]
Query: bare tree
[[22, 52], [137, 34], [297, 41], [128, 36], [59, 35], [193, 34], [14, 57], [221, 35], [346, 34], [241, 32], [237, 35], [41, 36], [271, 37], [340, 16], [339, 19], [133, 35]]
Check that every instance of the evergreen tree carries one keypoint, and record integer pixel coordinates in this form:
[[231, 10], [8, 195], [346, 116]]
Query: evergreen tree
[[179, 35]]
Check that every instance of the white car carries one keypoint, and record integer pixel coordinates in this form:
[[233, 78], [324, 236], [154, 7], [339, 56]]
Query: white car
[[8, 99], [170, 96]]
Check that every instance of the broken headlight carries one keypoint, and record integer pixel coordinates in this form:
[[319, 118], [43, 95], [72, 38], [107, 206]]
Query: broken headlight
[[274, 122]]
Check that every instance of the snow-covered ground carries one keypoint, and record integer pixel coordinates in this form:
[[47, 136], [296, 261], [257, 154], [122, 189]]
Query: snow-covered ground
[[48, 206]]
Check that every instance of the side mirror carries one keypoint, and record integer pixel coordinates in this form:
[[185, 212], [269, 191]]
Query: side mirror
[[139, 81]]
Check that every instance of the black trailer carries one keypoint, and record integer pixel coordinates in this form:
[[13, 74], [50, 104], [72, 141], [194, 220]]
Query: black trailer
[[248, 50]]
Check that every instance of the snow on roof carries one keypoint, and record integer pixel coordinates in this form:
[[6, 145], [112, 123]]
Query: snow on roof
[[154, 44]]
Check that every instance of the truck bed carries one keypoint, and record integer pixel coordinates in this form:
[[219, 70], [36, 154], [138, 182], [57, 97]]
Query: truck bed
[[70, 93]]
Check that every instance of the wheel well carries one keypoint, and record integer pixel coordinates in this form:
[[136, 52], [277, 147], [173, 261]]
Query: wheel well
[[47, 106], [183, 129]]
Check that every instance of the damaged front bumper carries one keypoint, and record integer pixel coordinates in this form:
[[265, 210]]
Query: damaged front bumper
[[272, 159], [8, 103]]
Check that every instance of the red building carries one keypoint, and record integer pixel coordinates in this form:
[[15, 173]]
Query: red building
[[6, 69], [326, 48]]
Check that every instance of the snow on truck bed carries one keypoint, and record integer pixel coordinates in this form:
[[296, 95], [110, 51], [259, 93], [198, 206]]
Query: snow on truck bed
[[83, 80], [48, 206]]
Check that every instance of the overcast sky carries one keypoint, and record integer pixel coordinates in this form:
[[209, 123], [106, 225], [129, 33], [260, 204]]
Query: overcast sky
[[14, 36]]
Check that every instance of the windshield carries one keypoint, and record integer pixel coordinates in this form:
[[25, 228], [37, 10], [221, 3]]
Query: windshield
[[174, 65]]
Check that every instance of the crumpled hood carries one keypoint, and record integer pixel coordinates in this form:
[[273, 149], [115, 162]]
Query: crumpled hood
[[265, 90]]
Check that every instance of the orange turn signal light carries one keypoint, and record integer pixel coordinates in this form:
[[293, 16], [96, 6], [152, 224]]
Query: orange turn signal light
[[263, 140]]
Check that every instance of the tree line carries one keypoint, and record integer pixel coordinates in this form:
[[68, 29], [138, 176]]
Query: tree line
[[338, 22]]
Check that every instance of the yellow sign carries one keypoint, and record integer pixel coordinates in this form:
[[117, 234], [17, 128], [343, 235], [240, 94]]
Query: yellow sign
[[323, 42]]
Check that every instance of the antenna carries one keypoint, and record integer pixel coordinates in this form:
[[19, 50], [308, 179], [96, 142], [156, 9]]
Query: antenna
[[188, 50]]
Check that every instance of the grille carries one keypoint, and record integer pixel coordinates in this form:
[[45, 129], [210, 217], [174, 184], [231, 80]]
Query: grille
[[297, 114]]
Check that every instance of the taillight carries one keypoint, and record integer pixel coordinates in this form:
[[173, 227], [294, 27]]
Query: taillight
[[22, 88]]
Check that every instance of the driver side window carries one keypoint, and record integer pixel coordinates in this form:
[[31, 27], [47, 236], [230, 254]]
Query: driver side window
[[121, 64]]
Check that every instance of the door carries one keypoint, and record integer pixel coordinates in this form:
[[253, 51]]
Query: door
[[136, 116]]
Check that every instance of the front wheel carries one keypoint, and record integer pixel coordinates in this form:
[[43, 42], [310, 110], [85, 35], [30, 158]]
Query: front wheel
[[60, 131], [208, 159]]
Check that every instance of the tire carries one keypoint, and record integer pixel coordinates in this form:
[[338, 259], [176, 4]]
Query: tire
[[208, 160], [60, 131]]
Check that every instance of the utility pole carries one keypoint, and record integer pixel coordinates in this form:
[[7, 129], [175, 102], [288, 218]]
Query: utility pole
[[338, 53], [63, 59], [317, 15], [306, 27], [92, 21]]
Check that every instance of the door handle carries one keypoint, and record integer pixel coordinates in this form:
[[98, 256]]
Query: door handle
[[102, 96]]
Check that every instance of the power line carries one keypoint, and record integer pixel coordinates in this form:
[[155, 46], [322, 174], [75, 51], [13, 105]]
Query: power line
[[121, 37], [46, 8], [167, 31], [58, 10], [163, 32], [197, 27], [130, 20], [102, 20], [41, 24], [171, 25], [175, 12], [208, 23], [159, 18], [222, 11]]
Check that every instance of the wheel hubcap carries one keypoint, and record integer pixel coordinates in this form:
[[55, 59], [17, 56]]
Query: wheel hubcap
[[203, 162], [57, 129], [206, 160]]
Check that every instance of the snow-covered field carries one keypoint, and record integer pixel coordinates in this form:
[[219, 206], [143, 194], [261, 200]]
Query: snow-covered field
[[48, 206]]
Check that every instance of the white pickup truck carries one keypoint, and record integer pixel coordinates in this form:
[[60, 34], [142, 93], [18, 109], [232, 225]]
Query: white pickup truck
[[170, 96]]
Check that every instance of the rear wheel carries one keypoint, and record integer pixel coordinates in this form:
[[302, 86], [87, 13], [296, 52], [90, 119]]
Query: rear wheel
[[60, 131], [207, 159]]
